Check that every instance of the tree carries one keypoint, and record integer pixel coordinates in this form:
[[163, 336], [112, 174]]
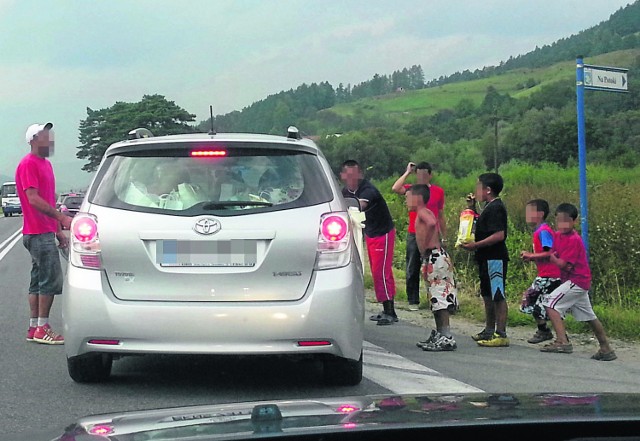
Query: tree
[[103, 127]]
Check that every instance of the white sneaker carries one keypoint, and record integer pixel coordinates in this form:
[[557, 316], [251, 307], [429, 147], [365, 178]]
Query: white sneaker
[[413, 307], [441, 343]]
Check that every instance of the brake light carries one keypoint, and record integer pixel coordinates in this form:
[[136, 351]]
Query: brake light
[[85, 242], [347, 408], [334, 228], [85, 229], [333, 241], [101, 429], [208, 153]]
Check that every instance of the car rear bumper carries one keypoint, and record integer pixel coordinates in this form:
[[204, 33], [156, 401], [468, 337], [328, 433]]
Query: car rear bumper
[[332, 310]]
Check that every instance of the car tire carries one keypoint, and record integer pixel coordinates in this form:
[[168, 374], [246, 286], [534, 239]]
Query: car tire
[[90, 368], [343, 371]]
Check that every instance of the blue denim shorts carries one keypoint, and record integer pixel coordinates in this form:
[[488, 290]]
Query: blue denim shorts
[[46, 270]]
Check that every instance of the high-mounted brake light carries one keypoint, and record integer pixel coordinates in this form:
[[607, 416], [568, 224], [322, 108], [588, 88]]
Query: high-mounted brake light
[[334, 228], [101, 429], [208, 153], [347, 408]]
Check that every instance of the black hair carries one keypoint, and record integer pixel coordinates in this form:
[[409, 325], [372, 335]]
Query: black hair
[[541, 205], [568, 209], [493, 181], [422, 190], [350, 163], [424, 166]]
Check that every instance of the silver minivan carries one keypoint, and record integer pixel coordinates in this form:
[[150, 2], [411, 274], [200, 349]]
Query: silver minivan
[[234, 244]]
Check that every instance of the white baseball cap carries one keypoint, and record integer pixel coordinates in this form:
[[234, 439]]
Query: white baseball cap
[[34, 129]]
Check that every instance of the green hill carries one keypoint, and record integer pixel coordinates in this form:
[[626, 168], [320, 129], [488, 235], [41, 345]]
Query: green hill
[[424, 102]]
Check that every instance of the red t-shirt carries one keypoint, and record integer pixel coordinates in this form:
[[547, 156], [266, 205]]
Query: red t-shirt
[[435, 204], [569, 247], [543, 241], [36, 172]]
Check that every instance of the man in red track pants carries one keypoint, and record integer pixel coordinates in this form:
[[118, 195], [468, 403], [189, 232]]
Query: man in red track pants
[[380, 235]]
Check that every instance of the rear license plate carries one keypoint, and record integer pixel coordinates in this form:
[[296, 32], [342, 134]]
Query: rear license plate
[[226, 253]]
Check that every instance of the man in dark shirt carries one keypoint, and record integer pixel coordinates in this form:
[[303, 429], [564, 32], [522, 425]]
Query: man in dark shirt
[[492, 257], [379, 232]]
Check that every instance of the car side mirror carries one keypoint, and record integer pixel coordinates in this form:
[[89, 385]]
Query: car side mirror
[[353, 202]]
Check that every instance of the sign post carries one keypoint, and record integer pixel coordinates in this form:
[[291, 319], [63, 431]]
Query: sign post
[[610, 79], [582, 153]]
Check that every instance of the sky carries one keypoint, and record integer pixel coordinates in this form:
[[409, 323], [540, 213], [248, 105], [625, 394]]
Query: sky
[[59, 58]]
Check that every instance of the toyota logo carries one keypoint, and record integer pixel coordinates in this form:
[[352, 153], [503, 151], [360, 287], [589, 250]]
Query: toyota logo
[[207, 226]]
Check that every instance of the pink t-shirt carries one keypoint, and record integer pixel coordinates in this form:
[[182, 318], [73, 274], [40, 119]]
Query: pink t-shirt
[[36, 172], [435, 204], [569, 247]]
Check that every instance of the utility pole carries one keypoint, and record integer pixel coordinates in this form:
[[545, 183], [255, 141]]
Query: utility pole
[[495, 139]]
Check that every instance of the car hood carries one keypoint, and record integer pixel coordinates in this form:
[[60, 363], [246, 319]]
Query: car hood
[[299, 417]]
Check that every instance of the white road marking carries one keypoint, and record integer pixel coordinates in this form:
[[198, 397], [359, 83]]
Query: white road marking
[[14, 238], [403, 376]]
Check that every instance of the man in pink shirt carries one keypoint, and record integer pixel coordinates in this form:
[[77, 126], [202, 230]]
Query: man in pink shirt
[[436, 205], [36, 188], [569, 254]]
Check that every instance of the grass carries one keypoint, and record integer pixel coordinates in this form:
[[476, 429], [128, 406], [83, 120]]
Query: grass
[[618, 321], [425, 102]]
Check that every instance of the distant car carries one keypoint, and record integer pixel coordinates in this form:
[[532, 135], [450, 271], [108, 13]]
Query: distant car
[[230, 244], [70, 205], [10, 201], [63, 196]]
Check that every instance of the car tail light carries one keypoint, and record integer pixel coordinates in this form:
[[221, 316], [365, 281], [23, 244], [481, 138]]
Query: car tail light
[[101, 430], [334, 237], [208, 153], [85, 242], [63, 208]]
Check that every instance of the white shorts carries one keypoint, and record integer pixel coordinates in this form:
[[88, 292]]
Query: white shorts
[[570, 297]]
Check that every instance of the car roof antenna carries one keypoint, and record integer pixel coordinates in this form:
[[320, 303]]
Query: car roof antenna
[[213, 130]]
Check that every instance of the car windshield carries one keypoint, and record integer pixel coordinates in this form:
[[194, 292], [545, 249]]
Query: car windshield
[[408, 211], [8, 190]]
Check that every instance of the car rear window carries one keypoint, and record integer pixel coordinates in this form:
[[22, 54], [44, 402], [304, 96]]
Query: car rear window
[[72, 201], [244, 180]]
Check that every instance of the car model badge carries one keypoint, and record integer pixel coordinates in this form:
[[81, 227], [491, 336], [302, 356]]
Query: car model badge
[[207, 226]]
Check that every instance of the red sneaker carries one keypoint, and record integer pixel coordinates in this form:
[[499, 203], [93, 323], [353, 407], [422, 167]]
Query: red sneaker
[[30, 332], [44, 334]]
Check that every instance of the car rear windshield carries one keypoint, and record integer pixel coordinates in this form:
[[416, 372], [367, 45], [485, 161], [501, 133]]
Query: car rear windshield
[[72, 201], [229, 182]]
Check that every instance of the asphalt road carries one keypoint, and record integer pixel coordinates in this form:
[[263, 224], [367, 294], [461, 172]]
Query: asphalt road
[[38, 399]]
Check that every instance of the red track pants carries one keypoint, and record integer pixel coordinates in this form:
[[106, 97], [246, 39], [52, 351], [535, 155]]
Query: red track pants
[[380, 251]]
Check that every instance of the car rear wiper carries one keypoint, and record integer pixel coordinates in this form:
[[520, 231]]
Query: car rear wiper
[[218, 205]]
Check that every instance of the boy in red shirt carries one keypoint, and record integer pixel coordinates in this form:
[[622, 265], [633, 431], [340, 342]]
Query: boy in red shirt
[[570, 256], [548, 278], [424, 175]]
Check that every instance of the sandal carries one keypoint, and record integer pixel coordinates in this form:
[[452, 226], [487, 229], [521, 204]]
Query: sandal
[[378, 317], [604, 356], [558, 348]]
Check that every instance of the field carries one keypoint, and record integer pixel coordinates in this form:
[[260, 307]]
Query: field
[[614, 225], [408, 104]]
